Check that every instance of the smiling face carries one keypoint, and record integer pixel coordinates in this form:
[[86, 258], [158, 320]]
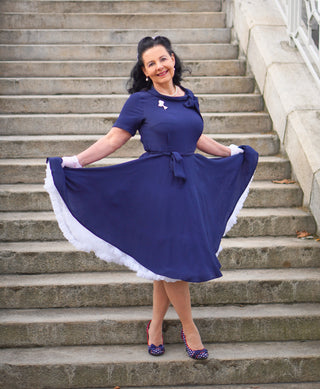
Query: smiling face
[[158, 65]]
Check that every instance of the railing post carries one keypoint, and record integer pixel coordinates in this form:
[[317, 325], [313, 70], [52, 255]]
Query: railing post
[[303, 28], [294, 15]]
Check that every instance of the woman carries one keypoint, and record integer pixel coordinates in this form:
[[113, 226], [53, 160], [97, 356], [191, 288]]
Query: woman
[[164, 214]]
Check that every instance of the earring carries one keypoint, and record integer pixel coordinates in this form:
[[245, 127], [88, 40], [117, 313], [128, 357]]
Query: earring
[[147, 78]]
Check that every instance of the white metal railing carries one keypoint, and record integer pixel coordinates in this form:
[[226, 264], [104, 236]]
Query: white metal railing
[[303, 24]]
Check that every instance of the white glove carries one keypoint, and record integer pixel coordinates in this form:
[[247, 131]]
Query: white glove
[[72, 162], [235, 150]]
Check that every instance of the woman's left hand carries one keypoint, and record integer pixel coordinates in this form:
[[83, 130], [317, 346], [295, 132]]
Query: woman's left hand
[[235, 150]]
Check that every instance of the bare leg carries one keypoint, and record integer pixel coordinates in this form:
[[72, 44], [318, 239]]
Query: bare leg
[[160, 306], [179, 295]]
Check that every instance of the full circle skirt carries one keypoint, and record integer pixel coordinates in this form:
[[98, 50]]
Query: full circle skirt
[[162, 215]]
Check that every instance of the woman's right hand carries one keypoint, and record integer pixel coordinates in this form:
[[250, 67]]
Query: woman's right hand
[[72, 162]]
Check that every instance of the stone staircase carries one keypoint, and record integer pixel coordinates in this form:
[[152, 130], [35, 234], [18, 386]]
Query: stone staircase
[[69, 320]]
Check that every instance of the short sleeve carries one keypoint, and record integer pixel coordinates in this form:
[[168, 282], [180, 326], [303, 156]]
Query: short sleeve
[[132, 114]]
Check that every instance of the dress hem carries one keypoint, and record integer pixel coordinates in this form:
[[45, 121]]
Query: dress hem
[[84, 240]]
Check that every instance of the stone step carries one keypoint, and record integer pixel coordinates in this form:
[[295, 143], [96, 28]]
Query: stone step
[[32, 171], [89, 21], [55, 124], [238, 253], [123, 289], [105, 36], [272, 222], [26, 197], [82, 6], [252, 222], [76, 300], [107, 366], [23, 68], [115, 52], [108, 86], [51, 145], [256, 385], [111, 326], [111, 103]]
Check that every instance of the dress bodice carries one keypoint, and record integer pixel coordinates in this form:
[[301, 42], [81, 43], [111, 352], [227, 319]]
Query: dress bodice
[[166, 124]]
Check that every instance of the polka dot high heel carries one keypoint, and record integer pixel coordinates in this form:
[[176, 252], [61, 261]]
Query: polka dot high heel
[[195, 354], [152, 349]]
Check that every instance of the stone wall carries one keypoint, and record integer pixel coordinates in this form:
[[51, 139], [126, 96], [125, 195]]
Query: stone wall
[[290, 92]]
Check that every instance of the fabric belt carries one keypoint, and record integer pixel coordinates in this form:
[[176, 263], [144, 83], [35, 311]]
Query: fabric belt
[[176, 161]]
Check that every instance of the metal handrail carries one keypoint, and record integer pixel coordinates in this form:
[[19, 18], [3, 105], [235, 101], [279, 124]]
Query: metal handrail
[[302, 18]]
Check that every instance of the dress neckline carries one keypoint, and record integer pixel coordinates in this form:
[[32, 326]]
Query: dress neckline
[[154, 92]]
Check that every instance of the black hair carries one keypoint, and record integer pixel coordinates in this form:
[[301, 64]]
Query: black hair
[[137, 81]]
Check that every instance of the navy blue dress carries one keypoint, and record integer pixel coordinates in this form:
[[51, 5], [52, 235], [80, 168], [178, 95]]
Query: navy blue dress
[[162, 215]]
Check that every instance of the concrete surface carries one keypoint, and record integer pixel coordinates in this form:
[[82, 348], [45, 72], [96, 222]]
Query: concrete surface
[[291, 94], [99, 366]]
